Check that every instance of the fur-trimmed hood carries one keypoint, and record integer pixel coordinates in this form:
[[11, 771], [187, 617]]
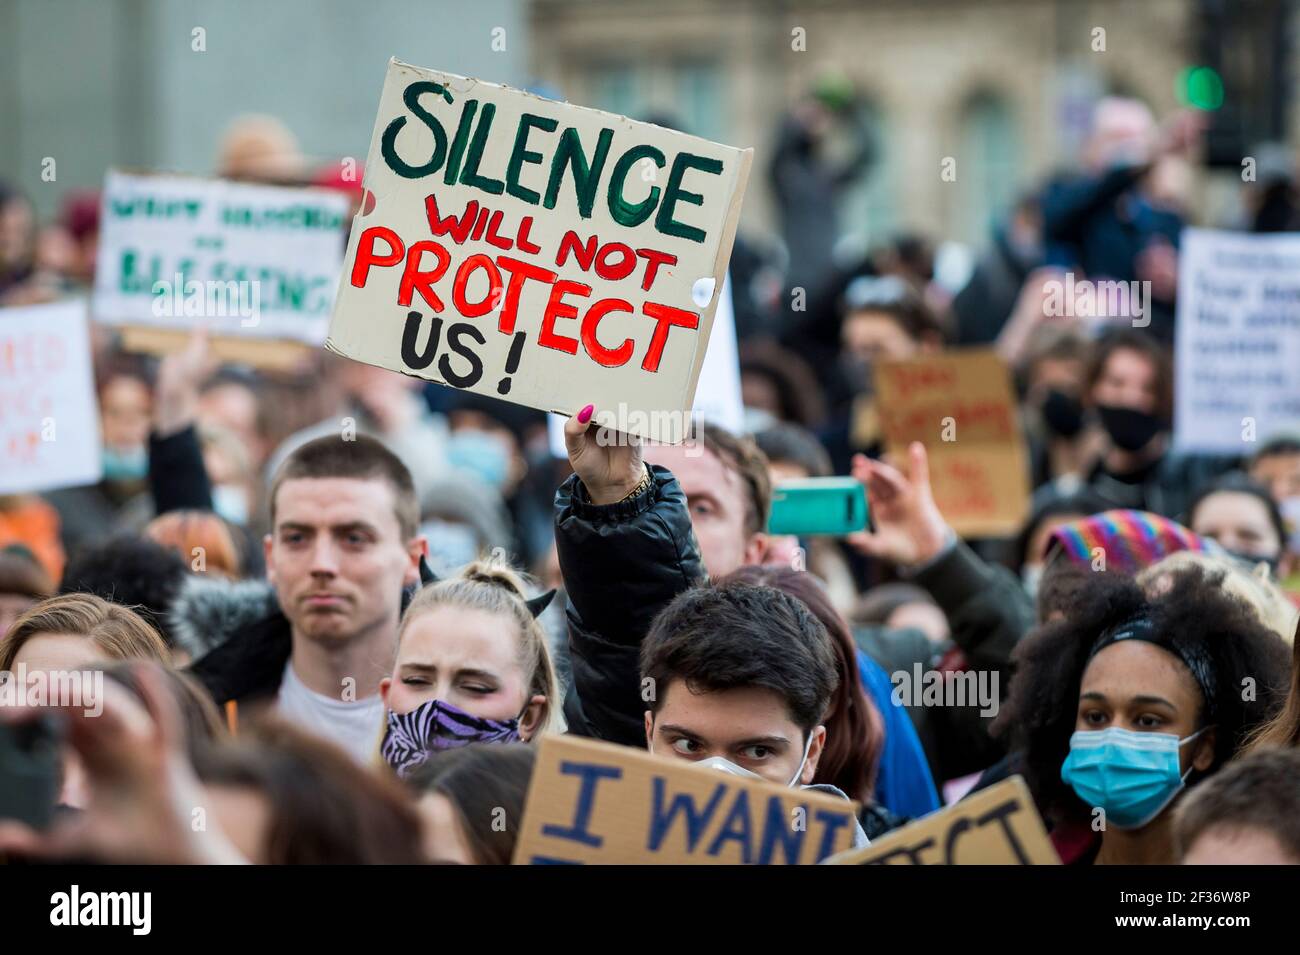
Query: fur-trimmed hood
[[209, 611]]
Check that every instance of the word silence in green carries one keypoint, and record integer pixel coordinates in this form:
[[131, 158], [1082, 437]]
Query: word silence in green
[[460, 157]]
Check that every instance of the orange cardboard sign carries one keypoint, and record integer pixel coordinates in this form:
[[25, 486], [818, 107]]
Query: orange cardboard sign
[[961, 406]]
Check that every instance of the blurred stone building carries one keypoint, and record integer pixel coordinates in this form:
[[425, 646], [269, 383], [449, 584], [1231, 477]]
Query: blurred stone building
[[1004, 87]]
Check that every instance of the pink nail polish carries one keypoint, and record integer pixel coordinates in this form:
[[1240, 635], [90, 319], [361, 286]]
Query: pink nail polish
[[585, 414]]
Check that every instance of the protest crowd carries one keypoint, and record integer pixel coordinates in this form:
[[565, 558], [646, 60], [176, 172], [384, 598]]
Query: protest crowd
[[342, 612]]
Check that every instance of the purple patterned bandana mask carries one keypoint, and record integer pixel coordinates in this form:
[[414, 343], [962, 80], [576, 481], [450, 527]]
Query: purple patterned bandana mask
[[410, 737]]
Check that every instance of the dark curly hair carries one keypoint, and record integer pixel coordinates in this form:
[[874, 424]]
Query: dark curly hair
[[1193, 618], [130, 570]]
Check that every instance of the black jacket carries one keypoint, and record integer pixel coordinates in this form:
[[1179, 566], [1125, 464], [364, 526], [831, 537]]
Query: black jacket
[[643, 551], [248, 667]]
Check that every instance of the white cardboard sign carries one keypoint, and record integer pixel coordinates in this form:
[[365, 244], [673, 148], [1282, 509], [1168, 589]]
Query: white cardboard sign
[[49, 418], [547, 254], [1237, 362], [243, 259]]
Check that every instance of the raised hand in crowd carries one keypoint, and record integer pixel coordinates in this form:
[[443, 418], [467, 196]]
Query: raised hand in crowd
[[610, 470], [143, 791], [909, 529], [180, 375]]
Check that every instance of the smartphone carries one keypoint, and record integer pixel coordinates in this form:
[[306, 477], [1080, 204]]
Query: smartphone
[[30, 769], [810, 507]]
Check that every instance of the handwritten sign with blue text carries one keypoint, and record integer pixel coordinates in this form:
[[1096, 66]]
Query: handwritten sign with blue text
[[594, 802]]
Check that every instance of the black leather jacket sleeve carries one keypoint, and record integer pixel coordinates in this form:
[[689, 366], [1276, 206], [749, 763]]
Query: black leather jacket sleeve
[[622, 563]]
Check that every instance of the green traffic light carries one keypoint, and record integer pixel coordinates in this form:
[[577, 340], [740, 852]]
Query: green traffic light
[[1201, 87]]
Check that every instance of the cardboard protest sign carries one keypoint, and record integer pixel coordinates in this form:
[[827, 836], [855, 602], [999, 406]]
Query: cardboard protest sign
[[997, 826], [547, 254], [248, 261], [960, 404], [1237, 362], [49, 419], [594, 802], [717, 395]]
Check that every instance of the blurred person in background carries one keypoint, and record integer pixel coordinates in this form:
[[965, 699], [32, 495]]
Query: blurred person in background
[[120, 499], [80, 222], [985, 606], [506, 448], [808, 184], [200, 538], [777, 386], [463, 518], [983, 306], [232, 399], [1115, 220], [1240, 514], [29, 522], [1051, 377], [23, 583], [901, 606], [1128, 389], [1276, 465], [1029, 550], [471, 802], [884, 319], [286, 797], [260, 148], [133, 571], [387, 406], [1250, 584], [76, 631], [1271, 202], [17, 239]]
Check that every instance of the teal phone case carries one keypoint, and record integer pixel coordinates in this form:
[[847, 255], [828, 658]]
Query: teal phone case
[[812, 507]]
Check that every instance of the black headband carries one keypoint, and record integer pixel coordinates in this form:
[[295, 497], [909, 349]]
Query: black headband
[[1194, 655]]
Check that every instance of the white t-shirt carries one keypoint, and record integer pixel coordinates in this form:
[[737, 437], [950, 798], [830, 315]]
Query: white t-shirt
[[353, 725]]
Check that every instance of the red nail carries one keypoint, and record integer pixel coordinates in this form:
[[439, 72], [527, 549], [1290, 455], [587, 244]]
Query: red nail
[[585, 414]]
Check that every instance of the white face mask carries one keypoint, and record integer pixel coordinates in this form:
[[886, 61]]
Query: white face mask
[[724, 765], [1031, 575], [1290, 508]]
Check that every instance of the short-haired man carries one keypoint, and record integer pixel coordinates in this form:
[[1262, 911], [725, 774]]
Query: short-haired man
[[742, 677], [1248, 813], [343, 545], [728, 494]]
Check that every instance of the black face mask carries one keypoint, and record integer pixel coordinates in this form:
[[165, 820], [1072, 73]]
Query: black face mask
[[1252, 561], [1129, 428], [1062, 414]]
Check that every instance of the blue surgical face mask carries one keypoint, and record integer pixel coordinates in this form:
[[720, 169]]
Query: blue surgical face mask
[[231, 502], [481, 454], [1130, 776], [131, 464]]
